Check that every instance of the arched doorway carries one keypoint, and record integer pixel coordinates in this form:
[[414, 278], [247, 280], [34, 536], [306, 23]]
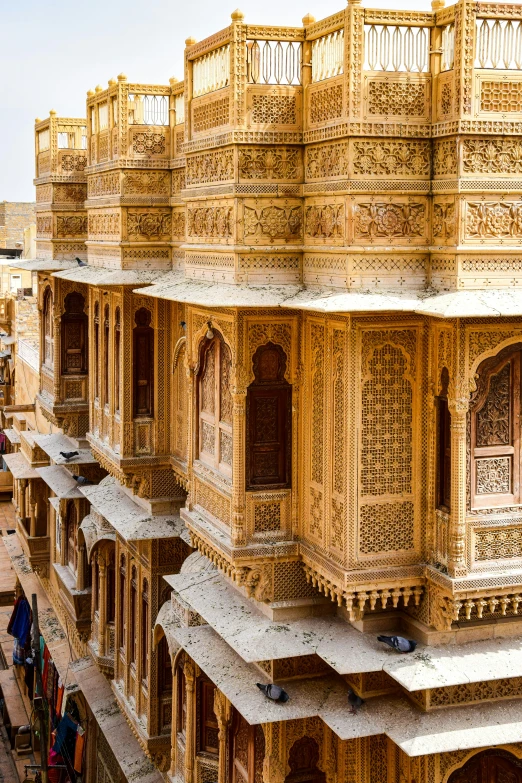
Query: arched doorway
[[491, 766], [302, 760]]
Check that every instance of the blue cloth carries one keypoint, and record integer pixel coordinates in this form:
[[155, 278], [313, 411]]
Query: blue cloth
[[18, 653], [21, 624], [66, 737]]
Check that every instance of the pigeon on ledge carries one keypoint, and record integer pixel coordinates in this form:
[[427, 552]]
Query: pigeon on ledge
[[398, 643], [274, 692], [355, 701], [69, 454], [82, 480]]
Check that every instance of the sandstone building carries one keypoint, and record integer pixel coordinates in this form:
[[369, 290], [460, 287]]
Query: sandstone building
[[281, 331], [15, 216]]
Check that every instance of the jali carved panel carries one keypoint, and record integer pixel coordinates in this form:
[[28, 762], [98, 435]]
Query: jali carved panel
[[391, 98]]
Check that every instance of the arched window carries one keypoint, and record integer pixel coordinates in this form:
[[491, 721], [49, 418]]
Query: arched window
[[74, 336], [71, 536], [495, 431], [145, 631], [443, 444], [143, 364], [269, 421], [48, 329], [247, 751], [164, 667], [215, 405], [117, 358], [208, 725], [111, 591], [122, 625], [106, 326], [97, 350]]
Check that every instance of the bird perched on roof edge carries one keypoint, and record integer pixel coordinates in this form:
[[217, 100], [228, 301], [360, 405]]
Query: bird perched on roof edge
[[69, 454], [274, 692], [82, 480], [398, 643], [355, 701]]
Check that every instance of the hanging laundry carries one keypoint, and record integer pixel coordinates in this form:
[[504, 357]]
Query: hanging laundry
[[14, 613], [20, 622], [78, 751], [59, 697], [29, 676]]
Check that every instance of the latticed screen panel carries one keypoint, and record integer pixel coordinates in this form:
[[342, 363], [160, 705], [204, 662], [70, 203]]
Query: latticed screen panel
[[387, 511]]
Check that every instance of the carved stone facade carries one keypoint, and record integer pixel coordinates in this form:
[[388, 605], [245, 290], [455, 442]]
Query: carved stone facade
[[294, 357]]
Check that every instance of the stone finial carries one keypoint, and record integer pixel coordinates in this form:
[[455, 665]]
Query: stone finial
[[52, 112], [308, 19], [122, 77], [173, 80], [90, 93], [37, 120], [112, 82], [190, 41], [98, 88], [437, 5], [354, 2], [237, 15]]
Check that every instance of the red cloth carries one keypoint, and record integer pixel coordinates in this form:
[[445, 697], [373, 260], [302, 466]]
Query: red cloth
[[54, 775], [59, 699], [45, 672], [78, 752]]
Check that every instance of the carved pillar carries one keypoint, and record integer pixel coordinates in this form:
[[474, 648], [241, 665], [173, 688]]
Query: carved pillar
[[94, 598], [57, 320], [457, 530], [223, 712], [191, 386], [102, 610], [238, 467], [190, 735], [80, 576], [175, 713], [21, 505], [32, 508], [63, 533]]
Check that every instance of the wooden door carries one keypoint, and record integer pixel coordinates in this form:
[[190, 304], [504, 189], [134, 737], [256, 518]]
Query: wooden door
[[489, 767]]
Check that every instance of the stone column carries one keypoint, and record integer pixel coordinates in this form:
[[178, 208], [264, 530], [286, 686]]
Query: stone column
[[63, 534], [94, 586], [21, 505], [238, 467], [32, 508], [102, 608], [174, 719], [457, 527], [80, 576], [190, 734], [223, 712]]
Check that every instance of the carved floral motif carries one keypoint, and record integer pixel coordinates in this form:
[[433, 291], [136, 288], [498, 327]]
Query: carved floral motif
[[385, 220], [274, 222]]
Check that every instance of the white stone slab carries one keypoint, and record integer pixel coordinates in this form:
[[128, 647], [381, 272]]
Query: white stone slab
[[42, 264], [52, 445], [12, 435], [60, 481], [348, 651], [131, 521], [19, 466], [95, 275], [256, 638]]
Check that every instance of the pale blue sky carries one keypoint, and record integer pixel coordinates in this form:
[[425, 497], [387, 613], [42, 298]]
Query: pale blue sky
[[53, 52]]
